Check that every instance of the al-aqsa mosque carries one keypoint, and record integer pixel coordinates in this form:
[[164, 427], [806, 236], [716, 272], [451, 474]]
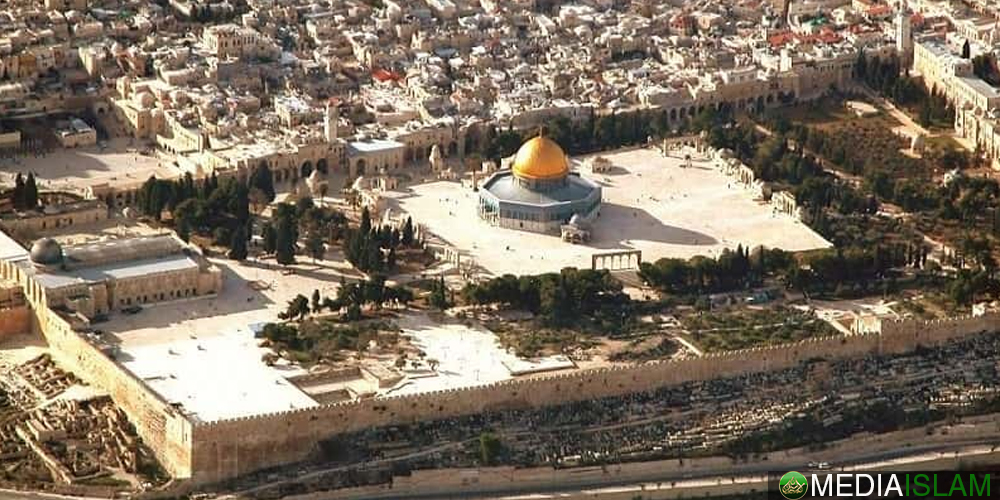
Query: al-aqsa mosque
[[539, 193]]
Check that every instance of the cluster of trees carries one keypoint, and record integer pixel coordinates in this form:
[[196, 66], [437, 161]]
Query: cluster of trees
[[373, 248], [314, 340], [157, 195], [439, 296], [373, 291], [828, 269], [863, 256], [820, 271], [351, 297], [977, 273], [896, 178], [731, 270], [883, 75], [602, 132], [289, 222], [219, 208], [773, 160], [25, 193], [560, 299], [865, 149]]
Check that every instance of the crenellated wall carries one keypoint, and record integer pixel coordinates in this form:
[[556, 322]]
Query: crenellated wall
[[214, 451], [228, 448]]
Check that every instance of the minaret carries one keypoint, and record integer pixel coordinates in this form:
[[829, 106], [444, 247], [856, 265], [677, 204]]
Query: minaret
[[904, 36], [330, 122]]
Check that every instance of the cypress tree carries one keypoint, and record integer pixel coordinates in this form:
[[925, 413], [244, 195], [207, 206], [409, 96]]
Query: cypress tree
[[285, 238], [238, 243], [262, 179], [30, 192], [18, 196], [270, 238], [365, 225], [317, 304], [407, 236]]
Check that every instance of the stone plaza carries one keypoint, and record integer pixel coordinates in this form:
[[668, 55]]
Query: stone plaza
[[651, 202]]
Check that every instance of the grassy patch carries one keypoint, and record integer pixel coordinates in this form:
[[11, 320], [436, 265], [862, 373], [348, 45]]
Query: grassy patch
[[739, 329]]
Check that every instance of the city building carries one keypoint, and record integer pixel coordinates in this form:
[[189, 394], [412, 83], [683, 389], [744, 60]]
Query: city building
[[94, 279]]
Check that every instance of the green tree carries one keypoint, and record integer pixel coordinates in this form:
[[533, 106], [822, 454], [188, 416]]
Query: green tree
[[407, 236], [17, 197], [365, 225], [270, 238], [503, 144], [222, 235], [238, 243], [286, 234], [924, 115], [375, 291], [317, 303], [241, 203], [490, 448], [315, 245], [30, 192], [261, 178], [297, 308], [439, 294], [188, 216]]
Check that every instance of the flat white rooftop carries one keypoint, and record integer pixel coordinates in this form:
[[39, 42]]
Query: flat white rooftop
[[10, 249], [216, 377]]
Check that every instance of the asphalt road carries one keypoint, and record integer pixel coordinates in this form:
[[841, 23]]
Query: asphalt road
[[22, 495], [909, 455], [964, 447]]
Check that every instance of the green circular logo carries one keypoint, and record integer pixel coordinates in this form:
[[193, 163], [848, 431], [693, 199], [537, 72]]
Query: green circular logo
[[793, 486]]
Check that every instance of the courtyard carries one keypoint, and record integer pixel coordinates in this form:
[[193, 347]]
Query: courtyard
[[119, 161], [469, 355], [652, 203], [201, 352]]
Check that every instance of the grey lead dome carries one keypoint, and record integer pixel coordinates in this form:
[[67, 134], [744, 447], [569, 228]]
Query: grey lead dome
[[46, 252]]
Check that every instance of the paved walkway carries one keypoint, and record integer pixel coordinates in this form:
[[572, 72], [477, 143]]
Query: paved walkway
[[689, 345]]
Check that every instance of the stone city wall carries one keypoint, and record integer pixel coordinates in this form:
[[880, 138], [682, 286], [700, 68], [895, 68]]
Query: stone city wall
[[162, 428], [228, 448]]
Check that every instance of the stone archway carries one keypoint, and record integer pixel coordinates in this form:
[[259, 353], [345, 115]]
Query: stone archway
[[306, 169], [359, 167], [616, 261], [322, 166]]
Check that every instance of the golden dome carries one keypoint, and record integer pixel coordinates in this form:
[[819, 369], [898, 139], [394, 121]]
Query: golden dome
[[540, 159]]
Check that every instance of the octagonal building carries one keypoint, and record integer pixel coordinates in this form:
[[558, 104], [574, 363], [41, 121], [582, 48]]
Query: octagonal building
[[538, 193]]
